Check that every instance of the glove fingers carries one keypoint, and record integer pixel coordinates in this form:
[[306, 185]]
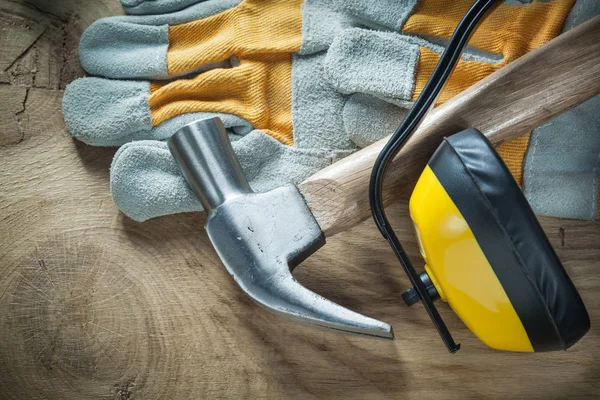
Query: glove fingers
[[395, 67], [156, 6], [181, 43], [146, 181], [386, 71], [103, 112], [376, 63], [136, 46]]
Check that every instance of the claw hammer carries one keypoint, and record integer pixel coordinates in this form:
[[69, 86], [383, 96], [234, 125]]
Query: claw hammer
[[261, 237]]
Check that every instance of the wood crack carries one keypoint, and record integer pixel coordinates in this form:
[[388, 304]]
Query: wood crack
[[65, 59], [40, 50], [19, 115], [25, 51]]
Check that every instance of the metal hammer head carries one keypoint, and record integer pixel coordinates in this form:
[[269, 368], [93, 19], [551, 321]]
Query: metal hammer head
[[260, 237]]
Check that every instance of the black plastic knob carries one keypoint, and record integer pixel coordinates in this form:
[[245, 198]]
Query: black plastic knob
[[411, 296]]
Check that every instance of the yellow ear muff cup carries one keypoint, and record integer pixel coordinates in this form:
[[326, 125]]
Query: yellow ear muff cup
[[488, 255]]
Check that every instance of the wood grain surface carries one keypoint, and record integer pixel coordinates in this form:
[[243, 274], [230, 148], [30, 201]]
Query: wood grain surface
[[96, 306]]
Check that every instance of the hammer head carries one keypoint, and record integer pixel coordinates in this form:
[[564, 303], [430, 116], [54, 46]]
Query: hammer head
[[260, 237]]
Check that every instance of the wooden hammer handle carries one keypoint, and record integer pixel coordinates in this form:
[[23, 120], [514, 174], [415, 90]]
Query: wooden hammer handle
[[512, 101]]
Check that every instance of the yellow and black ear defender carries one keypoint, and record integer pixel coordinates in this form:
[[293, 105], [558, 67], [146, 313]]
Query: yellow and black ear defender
[[486, 254]]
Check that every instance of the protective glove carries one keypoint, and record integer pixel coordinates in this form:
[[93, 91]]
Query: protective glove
[[561, 159], [296, 85]]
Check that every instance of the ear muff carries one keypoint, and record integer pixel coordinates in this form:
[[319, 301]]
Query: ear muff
[[487, 255]]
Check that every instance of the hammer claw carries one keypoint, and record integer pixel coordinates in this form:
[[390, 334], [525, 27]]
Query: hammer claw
[[289, 299]]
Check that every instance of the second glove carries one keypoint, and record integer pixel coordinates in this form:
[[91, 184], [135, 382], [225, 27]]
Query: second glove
[[297, 84]]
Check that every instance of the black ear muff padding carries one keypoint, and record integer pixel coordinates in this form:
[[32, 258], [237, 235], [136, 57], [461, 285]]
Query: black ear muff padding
[[506, 229]]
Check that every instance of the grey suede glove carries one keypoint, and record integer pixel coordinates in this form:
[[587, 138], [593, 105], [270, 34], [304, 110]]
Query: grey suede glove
[[353, 77]]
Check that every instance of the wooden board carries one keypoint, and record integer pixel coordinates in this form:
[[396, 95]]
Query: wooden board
[[96, 306]]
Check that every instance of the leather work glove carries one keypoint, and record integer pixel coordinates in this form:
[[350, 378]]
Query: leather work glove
[[297, 84], [560, 160]]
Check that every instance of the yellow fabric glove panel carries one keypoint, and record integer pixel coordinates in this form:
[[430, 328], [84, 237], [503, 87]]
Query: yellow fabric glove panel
[[262, 35]]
